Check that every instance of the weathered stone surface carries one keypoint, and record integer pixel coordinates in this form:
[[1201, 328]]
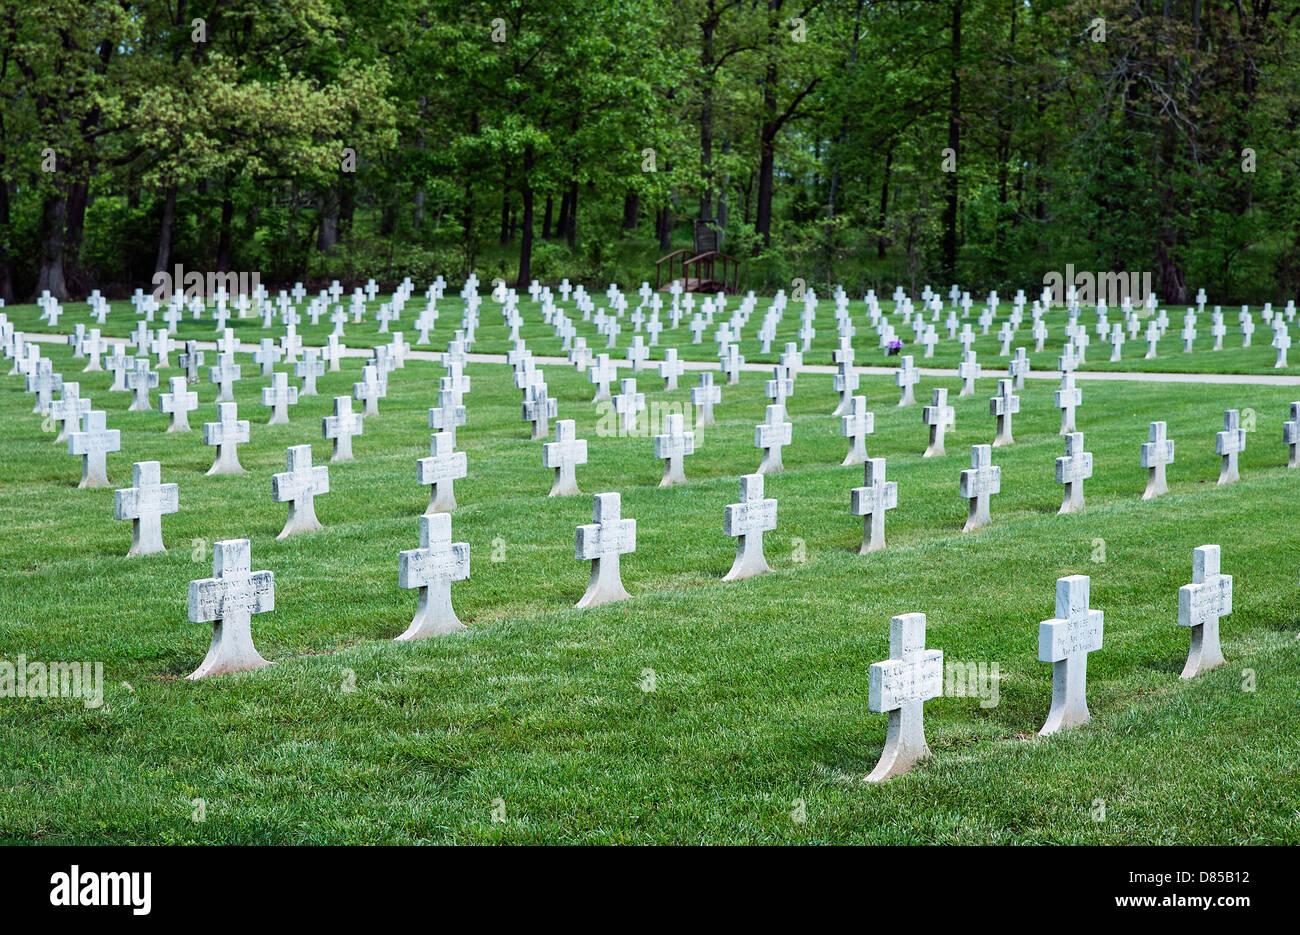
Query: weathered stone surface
[[870, 502], [1155, 455], [441, 470], [1201, 605], [93, 443], [674, 445], [563, 455], [227, 434], [432, 568], [1065, 642], [1072, 470], [341, 427], [978, 483], [747, 521], [298, 486], [900, 686], [228, 601], [602, 543], [144, 504]]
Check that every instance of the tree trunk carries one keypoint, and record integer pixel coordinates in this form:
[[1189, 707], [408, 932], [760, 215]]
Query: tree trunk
[[6, 258], [164, 257], [78, 197], [526, 225], [546, 218], [882, 239], [766, 169], [664, 229], [50, 276], [327, 232], [467, 225], [571, 231], [223, 234], [948, 259], [347, 204], [707, 28], [631, 211], [562, 225]]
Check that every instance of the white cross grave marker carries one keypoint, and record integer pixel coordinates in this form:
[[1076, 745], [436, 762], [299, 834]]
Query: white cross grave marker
[[901, 685], [179, 403], [977, 484], [1004, 405], [93, 443], [227, 433], [1154, 456], [341, 427], [670, 368], [771, 436], [144, 504], [224, 374], [856, 426], [704, 397], [675, 444], [299, 486], [228, 601], [601, 543], [1201, 604], [1072, 470], [441, 470], [906, 378], [1291, 435], [747, 521], [938, 415], [1230, 443], [871, 501], [140, 381], [68, 409], [969, 371], [563, 455], [432, 568], [1065, 642], [369, 390], [279, 396]]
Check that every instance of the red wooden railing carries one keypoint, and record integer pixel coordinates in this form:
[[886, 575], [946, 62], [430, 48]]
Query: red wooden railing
[[705, 268]]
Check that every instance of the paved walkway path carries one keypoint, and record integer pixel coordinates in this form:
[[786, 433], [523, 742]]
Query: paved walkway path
[[1255, 379]]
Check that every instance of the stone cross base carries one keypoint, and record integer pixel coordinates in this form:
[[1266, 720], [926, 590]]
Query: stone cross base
[[904, 748], [233, 652], [433, 616], [606, 584]]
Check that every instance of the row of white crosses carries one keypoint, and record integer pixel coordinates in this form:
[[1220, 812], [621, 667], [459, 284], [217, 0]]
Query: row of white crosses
[[913, 674], [984, 479], [235, 592]]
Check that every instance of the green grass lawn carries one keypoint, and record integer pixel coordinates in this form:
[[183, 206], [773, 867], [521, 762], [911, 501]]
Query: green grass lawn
[[537, 713]]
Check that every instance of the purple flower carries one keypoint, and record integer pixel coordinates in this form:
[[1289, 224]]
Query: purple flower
[[893, 347]]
